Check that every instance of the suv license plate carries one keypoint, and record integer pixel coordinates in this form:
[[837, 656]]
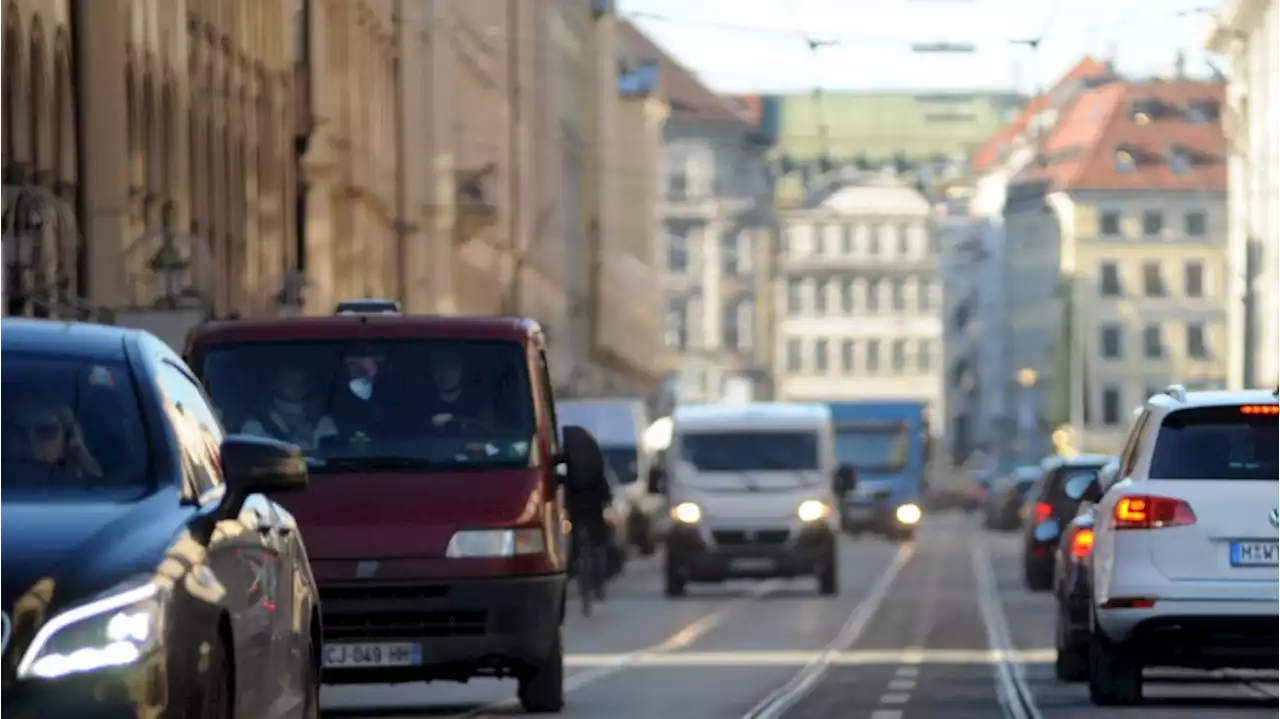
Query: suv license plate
[[752, 564], [359, 656], [1253, 554]]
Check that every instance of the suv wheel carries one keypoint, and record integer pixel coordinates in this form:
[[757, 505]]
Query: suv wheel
[[1115, 673], [1072, 661], [541, 689]]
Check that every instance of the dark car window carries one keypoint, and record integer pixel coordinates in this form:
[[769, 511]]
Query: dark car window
[[397, 403], [750, 451], [199, 432], [1217, 443], [72, 423]]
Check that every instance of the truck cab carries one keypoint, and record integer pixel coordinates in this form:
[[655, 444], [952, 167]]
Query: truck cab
[[754, 491], [890, 445], [435, 518]]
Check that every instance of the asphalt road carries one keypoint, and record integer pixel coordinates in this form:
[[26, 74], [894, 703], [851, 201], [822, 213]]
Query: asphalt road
[[936, 629]]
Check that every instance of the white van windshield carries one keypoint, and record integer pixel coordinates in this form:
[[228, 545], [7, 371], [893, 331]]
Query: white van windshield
[[750, 451]]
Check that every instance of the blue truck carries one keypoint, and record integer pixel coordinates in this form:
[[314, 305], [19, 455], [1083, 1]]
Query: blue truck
[[890, 444]]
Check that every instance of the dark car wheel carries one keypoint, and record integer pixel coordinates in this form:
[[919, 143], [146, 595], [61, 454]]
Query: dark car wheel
[[541, 688], [1115, 674], [216, 697], [673, 580], [829, 578], [1037, 578]]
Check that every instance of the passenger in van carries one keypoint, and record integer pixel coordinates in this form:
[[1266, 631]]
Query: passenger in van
[[290, 416], [458, 399]]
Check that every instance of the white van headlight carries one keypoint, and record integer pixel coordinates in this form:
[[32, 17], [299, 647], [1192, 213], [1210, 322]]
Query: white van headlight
[[115, 630], [687, 512], [908, 513], [812, 510]]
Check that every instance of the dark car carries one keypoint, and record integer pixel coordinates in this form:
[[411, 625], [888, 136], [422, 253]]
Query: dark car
[[1071, 589], [145, 574], [1055, 503], [1006, 497], [435, 511]]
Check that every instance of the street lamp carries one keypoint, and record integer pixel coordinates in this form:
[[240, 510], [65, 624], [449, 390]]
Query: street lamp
[[1027, 377]]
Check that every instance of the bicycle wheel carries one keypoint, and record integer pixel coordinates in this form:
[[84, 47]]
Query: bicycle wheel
[[585, 578]]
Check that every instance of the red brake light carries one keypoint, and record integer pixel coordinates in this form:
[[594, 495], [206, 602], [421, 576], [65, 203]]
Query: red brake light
[[1260, 409], [1082, 543], [1144, 511], [1043, 512]]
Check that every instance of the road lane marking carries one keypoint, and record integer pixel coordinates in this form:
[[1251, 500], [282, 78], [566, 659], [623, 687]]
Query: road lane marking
[[908, 672], [902, 685], [1016, 697], [886, 714], [909, 662], [785, 696], [685, 636], [896, 698]]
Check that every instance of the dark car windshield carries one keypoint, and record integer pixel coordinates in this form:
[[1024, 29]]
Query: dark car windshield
[[750, 451], [71, 423], [388, 404], [1218, 443], [622, 460], [873, 446]]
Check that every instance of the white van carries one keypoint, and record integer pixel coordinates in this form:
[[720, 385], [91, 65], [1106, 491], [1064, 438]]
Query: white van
[[754, 490]]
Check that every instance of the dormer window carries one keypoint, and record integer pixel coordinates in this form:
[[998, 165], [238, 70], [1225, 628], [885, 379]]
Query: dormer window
[[1125, 162]]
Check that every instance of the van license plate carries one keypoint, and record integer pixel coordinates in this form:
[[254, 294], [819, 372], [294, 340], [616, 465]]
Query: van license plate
[[359, 656], [1253, 554], [752, 564]]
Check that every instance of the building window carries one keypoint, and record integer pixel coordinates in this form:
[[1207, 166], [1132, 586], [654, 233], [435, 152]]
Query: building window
[[924, 299], [847, 350], [924, 356], [820, 299], [873, 296], [1152, 223], [1195, 223], [678, 250], [729, 263], [846, 297], [873, 240], [730, 337], [1109, 280], [795, 356], [846, 239], [676, 333], [898, 298], [795, 297], [1124, 163], [873, 356], [677, 175], [821, 350], [1153, 280], [1109, 225], [1193, 278], [820, 239], [1197, 342], [898, 356], [1152, 341], [1111, 339], [1202, 111], [904, 241], [746, 312], [1179, 162], [1112, 404]]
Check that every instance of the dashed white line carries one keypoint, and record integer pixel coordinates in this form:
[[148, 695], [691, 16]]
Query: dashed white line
[[895, 698], [886, 714], [908, 671], [902, 685]]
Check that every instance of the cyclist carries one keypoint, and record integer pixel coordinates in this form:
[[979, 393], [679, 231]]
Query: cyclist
[[586, 506]]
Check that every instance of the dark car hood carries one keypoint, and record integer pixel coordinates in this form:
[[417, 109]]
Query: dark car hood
[[60, 551]]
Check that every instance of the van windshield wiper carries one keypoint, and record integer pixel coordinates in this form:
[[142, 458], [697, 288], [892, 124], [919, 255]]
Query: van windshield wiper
[[367, 463]]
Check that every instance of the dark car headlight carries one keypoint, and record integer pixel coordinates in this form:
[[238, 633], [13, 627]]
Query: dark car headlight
[[115, 629]]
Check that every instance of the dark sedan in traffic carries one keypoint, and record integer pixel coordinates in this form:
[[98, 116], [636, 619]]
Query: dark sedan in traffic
[[145, 574], [1053, 503]]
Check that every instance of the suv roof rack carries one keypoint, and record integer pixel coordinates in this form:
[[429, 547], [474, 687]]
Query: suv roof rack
[[368, 306], [1176, 391]]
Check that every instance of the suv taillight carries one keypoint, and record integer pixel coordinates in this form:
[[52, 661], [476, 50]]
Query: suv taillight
[[1081, 543], [1145, 511]]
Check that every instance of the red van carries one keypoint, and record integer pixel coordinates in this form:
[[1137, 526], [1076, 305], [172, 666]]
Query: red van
[[435, 517]]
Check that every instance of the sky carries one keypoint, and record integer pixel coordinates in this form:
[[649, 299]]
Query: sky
[[761, 45]]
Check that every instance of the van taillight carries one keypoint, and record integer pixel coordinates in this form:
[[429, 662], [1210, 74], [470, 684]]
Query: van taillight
[[1145, 511], [1082, 543], [1043, 512]]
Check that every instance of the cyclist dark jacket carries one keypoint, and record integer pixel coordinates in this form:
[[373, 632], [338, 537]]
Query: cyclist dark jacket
[[586, 507]]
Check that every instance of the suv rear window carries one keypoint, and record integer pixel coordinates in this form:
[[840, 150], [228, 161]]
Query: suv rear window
[[1217, 443]]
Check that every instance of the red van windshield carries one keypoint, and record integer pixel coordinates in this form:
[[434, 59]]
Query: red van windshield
[[355, 405]]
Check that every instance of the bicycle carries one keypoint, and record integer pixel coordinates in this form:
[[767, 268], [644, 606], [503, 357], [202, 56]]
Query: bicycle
[[588, 569]]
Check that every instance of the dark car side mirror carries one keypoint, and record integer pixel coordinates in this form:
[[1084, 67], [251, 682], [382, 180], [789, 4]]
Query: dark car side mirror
[[657, 480], [584, 462], [846, 479], [252, 465]]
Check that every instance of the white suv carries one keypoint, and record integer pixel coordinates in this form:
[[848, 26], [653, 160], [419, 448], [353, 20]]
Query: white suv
[[1183, 570]]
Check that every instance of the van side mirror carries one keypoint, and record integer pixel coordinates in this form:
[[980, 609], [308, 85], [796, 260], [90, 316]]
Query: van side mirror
[[253, 465], [657, 480], [846, 479], [583, 460]]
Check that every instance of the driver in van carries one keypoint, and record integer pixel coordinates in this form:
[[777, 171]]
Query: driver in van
[[454, 399]]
